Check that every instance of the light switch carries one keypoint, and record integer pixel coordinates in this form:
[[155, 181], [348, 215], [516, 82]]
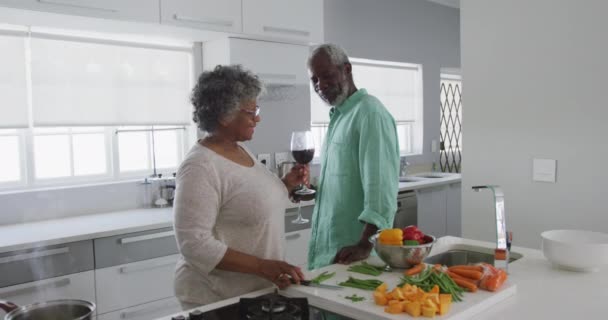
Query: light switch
[[544, 170]]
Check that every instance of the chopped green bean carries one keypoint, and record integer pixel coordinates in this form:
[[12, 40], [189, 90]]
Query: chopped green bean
[[369, 284], [322, 277], [354, 298], [366, 268]]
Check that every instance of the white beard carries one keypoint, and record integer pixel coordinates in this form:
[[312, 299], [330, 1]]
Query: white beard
[[340, 98]]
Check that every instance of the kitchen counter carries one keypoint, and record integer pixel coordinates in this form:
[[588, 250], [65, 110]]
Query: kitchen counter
[[56, 231], [543, 292], [420, 182]]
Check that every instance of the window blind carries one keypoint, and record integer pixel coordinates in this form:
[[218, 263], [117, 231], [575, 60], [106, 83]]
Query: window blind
[[398, 86], [13, 81], [88, 83]]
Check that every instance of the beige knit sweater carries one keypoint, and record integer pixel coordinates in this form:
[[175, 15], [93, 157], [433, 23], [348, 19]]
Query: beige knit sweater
[[220, 204]]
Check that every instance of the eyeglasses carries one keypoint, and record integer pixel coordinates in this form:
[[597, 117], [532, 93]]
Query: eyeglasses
[[253, 114]]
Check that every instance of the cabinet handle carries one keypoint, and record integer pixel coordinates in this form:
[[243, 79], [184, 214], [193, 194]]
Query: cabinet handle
[[147, 237], [147, 308], [37, 287], [144, 266], [292, 236], [33, 255], [295, 32], [78, 6], [215, 22]]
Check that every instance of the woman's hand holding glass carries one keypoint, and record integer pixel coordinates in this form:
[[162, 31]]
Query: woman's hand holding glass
[[297, 176]]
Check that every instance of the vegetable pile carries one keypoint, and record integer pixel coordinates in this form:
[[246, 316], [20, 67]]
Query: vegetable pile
[[409, 236], [428, 278], [413, 300]]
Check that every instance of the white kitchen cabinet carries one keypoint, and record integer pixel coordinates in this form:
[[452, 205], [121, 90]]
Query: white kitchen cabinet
[[296, 247], [439, 210], [432, 204], [453, 207], [127, 285], [147, 311], [74, 286], [273, 62], [218, 15], [299, 20], [133, 10]]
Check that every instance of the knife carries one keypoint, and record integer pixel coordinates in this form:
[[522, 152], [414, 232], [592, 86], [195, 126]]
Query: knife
[[309, 283]]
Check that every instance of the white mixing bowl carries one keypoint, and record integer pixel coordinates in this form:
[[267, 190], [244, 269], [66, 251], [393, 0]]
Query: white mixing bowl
[[576, 250]]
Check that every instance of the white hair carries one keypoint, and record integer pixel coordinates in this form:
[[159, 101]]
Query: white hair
[[337, 55]]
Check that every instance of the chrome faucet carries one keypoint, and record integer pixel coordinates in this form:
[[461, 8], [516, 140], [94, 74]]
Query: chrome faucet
[[501, 254]]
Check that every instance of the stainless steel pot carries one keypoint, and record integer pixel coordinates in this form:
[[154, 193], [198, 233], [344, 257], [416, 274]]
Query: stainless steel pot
[[51, 310]]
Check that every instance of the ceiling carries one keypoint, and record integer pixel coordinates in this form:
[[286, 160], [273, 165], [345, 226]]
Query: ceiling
[[449, 3]]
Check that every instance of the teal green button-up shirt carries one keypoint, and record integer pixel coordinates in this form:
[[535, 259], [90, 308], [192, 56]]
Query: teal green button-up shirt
[[359, 177]]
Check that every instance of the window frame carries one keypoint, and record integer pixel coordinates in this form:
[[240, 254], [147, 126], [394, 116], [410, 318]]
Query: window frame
[[416, 143]]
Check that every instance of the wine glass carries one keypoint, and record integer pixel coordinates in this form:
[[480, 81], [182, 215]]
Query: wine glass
[[303, 151]]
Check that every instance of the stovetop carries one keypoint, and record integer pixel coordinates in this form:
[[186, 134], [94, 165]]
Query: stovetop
[[269, 306]]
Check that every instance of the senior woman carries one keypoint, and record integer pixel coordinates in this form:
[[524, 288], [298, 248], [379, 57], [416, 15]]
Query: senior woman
[[229, 209]]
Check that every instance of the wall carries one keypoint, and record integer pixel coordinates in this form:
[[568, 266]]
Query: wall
[[420, 32], [534, 74]]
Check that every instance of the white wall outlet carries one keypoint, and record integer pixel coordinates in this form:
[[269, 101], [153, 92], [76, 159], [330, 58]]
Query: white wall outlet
[[264, 158], [544, 170], [281, 157]]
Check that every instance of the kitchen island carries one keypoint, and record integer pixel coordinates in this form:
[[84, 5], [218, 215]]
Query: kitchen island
[[537, 290]]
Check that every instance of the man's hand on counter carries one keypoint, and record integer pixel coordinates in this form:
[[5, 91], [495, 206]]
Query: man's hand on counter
[[359, 251]]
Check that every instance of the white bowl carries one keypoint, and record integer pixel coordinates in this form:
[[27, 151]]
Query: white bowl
[[576, 250]]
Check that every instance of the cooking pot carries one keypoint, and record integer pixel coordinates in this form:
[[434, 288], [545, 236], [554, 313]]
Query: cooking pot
[[66, 309]]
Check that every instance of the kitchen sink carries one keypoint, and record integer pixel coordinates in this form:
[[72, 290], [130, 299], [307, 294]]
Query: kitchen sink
[[410, 179], [467, 255], [432, 176]]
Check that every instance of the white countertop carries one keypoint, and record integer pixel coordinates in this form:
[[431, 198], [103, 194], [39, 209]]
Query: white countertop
[[422, 182], [48, 232], [543, 292]]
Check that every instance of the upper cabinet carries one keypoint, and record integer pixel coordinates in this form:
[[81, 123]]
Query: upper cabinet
[[217, 15], [134, 10], [300, 20], [273, 62]]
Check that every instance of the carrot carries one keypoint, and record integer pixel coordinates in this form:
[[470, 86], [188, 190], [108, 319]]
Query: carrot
[[466, 267], [471, 274], [465, 284], [455, 277], [493, 282], [415, 269]]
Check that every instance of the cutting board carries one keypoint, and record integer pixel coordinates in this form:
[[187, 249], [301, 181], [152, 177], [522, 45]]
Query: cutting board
[[335, 301]]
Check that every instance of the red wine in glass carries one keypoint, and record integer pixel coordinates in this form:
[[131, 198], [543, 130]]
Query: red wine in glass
[[303, 156], [303, 151]]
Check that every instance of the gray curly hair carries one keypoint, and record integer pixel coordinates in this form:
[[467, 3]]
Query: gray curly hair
[[337, 55], [219, 93]]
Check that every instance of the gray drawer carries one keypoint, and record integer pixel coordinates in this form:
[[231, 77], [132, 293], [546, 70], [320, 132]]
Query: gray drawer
[[292, 214], [137, 246], [45, 262]]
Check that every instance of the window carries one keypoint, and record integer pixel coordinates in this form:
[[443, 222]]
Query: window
[[399, 88], [450, 156], [10, 161], [70, 152], [146, 148], [81, 109]]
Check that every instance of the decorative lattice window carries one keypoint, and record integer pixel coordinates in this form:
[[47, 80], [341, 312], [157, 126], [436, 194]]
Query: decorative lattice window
[[450, 150]]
